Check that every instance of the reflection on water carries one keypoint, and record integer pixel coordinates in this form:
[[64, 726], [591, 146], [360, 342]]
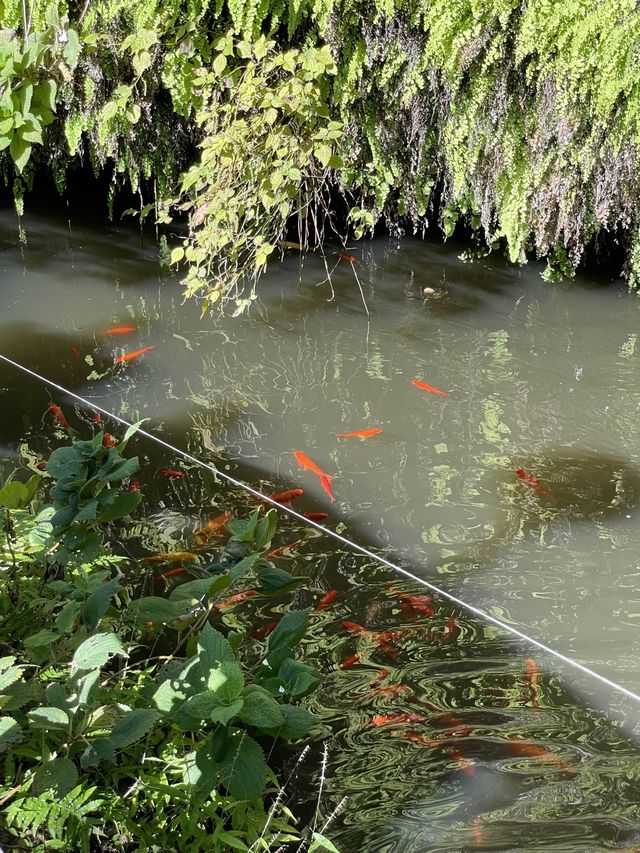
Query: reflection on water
[[541, 379]]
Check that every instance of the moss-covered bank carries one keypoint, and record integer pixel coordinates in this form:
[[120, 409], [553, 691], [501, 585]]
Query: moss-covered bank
[[520, 119]]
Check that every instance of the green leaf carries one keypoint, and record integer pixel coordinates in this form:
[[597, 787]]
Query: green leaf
[[232, 841], [297, 723], [87, 513], [225, 713], [243, 769], [131, 431], [121, 506], [96, 651], [291, 629], [57, 696], [158, 610], [323, 153], [195, 591], [98, 602], [243, 567], [66, 618], [59, 775], [48, 718], [72, 49], [14, 495], [260, 709], [321, 842], [219, 667], [220, 64], [274, 579], [133, 726], [9, 674], [42, 638], [298, 678], [10, 733], [100, 749]]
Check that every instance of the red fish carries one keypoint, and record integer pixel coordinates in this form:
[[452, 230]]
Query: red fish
[[41, 466], [422, 603], [360, 433], [316, 516], [531, 678], [388, 649], [390, 719], [350, 661], [119, 330], [461, 731], [325, 482], [423, 740], [430, 388], [526, 749], [213, 527], [263, 632], [108, 440], [96, 419], [353, 627], [278, 552], [58, 415], [453, 631], [307, 463], [530, 480], [326, 600], [285, 497], [466, 766], [349, 259], [134, 487], [171, 474], [75, 351], [180, 570], [129, 356], [384, 672], [236, 599]]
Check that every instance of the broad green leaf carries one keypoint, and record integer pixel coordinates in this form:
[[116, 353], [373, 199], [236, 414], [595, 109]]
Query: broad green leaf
[[57, 696], [223, 714], [321, 842], [81, 686], [232, 841], [158, 610], [42, 638], [297, 723], [191, 714], [13, 495], [98, 602], [100, 749], [87, 513], [72, 49], [195, 591], [200, 770], [274, 579], [64, 461], [48, 718], [121, 506], [133, 726], [298, 678], [260, 709], [66, 618], [218, 664], [10, 733], [291, 629], [243, 769], [9, 674], [243, 567], [96, 651], [59, 775]]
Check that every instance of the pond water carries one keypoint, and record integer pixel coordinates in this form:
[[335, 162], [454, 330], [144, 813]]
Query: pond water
[[517, 491]]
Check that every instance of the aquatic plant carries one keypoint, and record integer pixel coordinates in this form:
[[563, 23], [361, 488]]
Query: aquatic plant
[[521, 123], [106, 741]]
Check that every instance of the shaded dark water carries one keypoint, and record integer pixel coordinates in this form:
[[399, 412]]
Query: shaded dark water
[[542, 378]]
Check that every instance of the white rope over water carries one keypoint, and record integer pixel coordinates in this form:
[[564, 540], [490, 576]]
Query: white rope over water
[[470, 608]]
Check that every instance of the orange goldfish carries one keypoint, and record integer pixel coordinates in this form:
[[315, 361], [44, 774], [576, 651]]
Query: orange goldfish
[[325, 482], [392, 690], [213, 527], [96, 419], [430, 388], [390, 719], [422, 603], [350, 259], [326, 600], [531, 677], [75, 351], [382, 674], [307, 463], [360, 433], [530, 480], [285, 497], [180, 570], [134, 487], [108, 440], [526, 749], [278, 552], [171, 557], [129, 356], [119, 330], [353, 627], [423, 740], [316, 516], [58, 415], [350, 661], [171, 474], [263, 632], [236, 599], [466, 766]]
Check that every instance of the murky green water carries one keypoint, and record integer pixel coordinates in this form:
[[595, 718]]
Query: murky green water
[[542, 378]]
